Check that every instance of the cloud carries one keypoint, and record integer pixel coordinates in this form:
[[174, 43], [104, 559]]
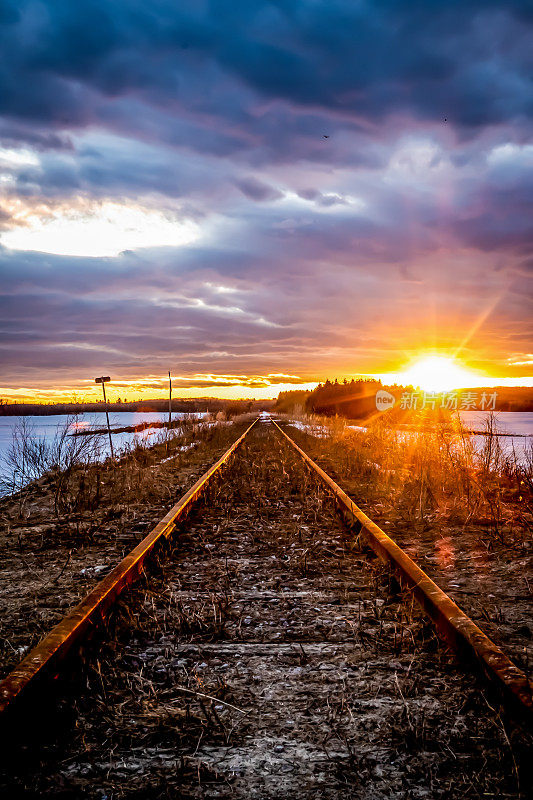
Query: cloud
[[104, 230], [255, 190], [356, 176], [364, 61]]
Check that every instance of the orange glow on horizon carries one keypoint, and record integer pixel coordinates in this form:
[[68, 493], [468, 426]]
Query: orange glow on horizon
[[429, 371], [144, 389], [436, 373]]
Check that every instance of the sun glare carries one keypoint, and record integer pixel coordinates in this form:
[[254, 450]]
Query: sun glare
[[438, 374]]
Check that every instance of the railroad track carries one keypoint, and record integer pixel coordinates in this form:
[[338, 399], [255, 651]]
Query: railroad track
[[267, 655]]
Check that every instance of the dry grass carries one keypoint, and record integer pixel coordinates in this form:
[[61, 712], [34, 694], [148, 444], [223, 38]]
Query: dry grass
[[70, 468], [435, 474]]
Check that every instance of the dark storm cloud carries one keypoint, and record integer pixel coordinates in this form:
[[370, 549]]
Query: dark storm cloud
[[365, 60]]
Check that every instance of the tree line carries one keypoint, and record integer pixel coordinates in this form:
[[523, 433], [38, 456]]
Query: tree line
[[356, 399]]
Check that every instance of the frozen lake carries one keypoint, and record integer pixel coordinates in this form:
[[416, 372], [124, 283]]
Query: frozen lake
[[48, 427], [516, 425], [517, 422]]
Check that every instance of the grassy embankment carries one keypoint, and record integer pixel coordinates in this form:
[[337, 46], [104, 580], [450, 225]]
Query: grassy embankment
[[433, 471]]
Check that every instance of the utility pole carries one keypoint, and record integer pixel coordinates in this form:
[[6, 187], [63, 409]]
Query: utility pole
[[103, 380], [169, 400]]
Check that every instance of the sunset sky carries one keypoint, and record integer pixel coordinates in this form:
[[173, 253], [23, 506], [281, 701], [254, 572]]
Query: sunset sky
[[258, 195]]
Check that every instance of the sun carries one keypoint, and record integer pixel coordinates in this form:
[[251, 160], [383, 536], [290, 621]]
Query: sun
[[438, 374]]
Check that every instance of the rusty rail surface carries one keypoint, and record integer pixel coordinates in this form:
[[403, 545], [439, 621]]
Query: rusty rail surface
[[458, 630], [42, 662]]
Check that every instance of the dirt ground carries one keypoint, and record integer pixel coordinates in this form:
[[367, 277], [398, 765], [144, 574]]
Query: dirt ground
[[490, 579], [50, 561], [271, 658]]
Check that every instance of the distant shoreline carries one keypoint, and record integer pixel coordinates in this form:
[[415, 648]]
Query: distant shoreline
[[139, 428], [156, 405]]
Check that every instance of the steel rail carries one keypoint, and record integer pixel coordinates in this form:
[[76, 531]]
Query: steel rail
[[454, 626], [43, 661]]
